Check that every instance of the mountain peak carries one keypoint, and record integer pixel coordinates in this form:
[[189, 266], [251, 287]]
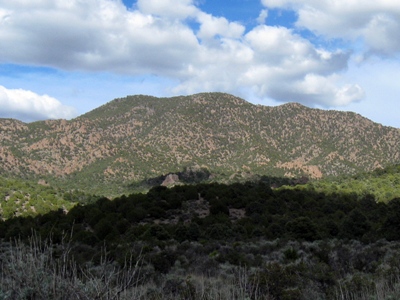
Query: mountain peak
[[294, 105]]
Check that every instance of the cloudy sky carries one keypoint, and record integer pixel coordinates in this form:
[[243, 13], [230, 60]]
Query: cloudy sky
[[59, 59]]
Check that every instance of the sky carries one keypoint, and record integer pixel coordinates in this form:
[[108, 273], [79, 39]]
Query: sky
[[61, 59]]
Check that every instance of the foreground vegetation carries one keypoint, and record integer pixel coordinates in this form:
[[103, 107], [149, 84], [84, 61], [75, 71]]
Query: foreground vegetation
[[334, 269], [209, 241]]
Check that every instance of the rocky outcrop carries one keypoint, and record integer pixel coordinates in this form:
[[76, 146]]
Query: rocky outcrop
[[170, 180]]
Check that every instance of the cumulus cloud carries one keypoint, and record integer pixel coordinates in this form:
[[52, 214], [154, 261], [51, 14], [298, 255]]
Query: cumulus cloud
[[155, 38], [93, 35], [376, 22], [273, 62], [262, 16], [180, 9], [314, 89], [28, 106], [217, 26]]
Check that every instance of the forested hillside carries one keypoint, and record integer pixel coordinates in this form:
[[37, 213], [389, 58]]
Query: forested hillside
[[25, 198], [382, 184], [133, 139]]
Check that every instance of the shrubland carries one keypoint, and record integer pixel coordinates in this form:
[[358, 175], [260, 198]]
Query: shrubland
[[210, 241], [25, 198]]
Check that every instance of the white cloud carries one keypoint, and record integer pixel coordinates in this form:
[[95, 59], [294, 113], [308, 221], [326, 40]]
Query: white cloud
[[324, 91], [379, 77], [212, 26], [180, 9], [155, 38], [93, 35], [262, 16], [383, 34], [29, 106], [273, 62], [376, 22]]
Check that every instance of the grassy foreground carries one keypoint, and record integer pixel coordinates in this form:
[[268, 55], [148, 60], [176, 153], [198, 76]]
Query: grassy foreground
[[41, 270]]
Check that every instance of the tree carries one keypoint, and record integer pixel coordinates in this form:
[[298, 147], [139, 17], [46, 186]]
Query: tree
[[302, 228], [156, 232], [218, 207], [254, 207], [105, 228], [355, 225], [193, 232], [391, 225], [219, 231], [181, 233]]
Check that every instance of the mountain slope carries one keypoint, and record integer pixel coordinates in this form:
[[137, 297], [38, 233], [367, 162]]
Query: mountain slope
[[138, 137]]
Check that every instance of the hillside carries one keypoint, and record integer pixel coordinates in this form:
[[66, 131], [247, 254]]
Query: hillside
[[136, 138], [382, 185], [25, 198]]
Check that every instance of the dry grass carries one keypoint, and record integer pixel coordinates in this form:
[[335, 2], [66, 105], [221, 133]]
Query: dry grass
[[40, 270]]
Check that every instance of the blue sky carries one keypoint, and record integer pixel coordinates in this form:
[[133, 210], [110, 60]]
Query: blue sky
[[60, 59]]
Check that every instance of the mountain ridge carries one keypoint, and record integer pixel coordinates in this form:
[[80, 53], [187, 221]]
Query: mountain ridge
[[138, 137]]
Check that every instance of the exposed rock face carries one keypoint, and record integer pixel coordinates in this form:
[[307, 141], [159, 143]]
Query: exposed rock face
[[170, 180]]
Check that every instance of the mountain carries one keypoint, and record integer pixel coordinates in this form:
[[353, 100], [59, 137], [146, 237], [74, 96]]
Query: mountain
[[133, 139]]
